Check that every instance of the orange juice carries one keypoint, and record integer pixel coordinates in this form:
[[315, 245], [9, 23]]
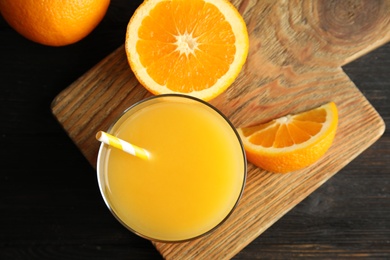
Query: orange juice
[[193, 179]]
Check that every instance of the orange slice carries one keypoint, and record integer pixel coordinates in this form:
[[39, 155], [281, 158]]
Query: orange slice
[[193, 47], [291, 142]]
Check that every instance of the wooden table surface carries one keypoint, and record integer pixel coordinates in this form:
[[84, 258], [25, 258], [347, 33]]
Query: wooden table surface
[[50, 204]]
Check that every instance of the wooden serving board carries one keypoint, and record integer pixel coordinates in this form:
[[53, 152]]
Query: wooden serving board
[[297, 49]]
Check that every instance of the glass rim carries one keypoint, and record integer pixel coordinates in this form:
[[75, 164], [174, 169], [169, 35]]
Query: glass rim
[[162, 96]]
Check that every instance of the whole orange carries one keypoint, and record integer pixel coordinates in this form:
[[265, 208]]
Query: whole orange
[[54, 23]]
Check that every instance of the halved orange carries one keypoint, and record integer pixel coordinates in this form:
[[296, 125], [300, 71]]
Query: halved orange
[[193, 47], [291, 142]]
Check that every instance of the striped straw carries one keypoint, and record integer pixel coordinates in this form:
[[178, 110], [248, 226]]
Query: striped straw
[[122, 145]]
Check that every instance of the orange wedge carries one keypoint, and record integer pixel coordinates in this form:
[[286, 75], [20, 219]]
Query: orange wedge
[[291, 142], [193, 47]]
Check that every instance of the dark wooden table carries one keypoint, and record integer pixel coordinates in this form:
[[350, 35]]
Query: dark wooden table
[[50, 204]]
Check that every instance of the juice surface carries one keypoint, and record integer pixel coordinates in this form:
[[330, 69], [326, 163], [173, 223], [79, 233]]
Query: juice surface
[[192, 181]]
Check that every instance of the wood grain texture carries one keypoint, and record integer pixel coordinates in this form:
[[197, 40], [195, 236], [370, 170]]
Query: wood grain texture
[[297, 49]]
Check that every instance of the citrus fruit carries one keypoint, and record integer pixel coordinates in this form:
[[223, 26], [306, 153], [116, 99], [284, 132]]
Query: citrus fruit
[[291, 142], [54, 23], [192, 47]]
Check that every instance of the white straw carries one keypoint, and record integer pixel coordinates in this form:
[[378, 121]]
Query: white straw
[[122, 145]]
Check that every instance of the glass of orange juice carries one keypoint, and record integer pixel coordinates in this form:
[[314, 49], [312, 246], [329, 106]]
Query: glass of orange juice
[[193, 179]]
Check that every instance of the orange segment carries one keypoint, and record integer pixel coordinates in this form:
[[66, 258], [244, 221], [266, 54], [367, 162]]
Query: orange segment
[[194, 47], [291, 142]]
